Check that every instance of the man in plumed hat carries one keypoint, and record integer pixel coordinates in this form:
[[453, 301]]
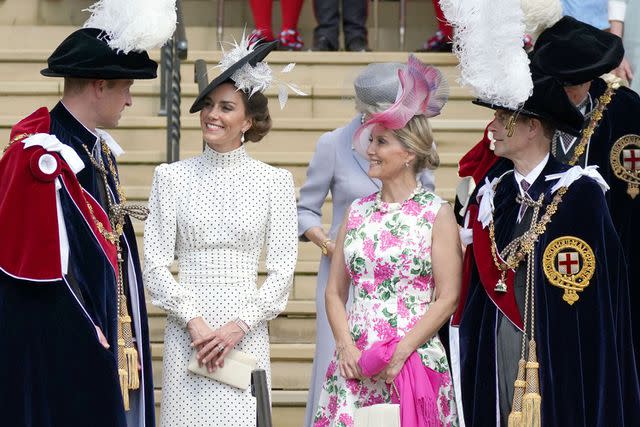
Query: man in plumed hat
[[73, 322], [544, 328], [577, 54]]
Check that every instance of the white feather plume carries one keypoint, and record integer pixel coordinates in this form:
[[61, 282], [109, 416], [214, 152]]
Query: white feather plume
[[258, 78], [540, 15], [488, 41], [134, 25]]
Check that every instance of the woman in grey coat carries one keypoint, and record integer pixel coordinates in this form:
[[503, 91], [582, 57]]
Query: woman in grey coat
[[338, 168]]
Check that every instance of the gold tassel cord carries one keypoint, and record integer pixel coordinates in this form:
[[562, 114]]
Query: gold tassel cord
[[128, 361], [515, 417], [526, 405], [532, 401], [122, 374]]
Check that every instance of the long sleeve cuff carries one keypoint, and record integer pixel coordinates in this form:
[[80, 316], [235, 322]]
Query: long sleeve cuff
[[617, 10], [252, 315], [186, 311], [307, 220]]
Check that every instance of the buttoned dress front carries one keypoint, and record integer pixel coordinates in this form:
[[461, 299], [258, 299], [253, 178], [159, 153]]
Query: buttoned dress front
[[214, 213]]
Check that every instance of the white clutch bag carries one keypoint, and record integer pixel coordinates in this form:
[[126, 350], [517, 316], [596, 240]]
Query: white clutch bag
[[236, 371], [381, 415]]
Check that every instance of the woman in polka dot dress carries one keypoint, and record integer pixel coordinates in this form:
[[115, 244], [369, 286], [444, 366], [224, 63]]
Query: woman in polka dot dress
[[214, 213]]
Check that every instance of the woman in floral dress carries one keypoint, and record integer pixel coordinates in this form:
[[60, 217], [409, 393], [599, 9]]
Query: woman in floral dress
[[398, 251]]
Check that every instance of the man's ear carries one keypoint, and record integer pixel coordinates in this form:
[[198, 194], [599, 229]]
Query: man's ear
[[535, 127], [99, 86]]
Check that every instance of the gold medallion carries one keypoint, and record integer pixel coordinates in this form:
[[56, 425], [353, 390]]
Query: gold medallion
[[569, 263], [625, 162]]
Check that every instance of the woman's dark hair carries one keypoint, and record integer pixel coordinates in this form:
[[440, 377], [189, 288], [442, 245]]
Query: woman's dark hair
[[257, 108]]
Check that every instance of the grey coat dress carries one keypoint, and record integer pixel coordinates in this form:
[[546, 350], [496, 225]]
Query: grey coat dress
[[335, 167]]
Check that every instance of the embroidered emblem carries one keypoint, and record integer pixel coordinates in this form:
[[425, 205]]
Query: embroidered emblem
[[569, 263], [625, 162]]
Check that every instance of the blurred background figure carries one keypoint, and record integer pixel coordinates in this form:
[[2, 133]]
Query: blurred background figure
[[624, 18], [441, 40], [592, 12], [354, 20], [289, 37]]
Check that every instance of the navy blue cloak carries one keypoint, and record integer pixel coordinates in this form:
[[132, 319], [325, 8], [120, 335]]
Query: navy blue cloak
[[585, 350], [620, 118], [54, 370]]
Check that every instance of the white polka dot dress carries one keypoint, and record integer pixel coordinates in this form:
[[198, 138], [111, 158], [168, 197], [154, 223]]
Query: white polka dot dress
[[215, 213]]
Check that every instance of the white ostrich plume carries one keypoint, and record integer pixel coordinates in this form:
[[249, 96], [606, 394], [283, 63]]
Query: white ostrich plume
[[488, 41], [134, 25]]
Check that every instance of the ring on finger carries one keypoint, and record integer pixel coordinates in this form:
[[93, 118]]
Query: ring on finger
[[220, 348]]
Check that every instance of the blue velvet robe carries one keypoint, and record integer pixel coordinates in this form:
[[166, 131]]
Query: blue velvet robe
[[54, 371], [585, 350], [621, 117]]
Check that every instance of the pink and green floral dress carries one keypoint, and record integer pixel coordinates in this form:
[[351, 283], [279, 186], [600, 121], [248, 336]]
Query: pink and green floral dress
[[387, 251]]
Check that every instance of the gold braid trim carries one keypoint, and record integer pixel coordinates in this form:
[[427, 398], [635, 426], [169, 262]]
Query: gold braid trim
[[596, 116], [15, 139], [128, 366], [524, 245]]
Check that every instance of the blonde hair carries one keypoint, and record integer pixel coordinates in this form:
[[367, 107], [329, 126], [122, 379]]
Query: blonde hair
[[417, 137]]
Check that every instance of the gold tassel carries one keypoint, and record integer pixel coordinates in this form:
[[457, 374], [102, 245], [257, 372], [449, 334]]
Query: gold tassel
[[123, 373], [129, 348], [132, 368], [532, 400], [515, 417], [124, 387]]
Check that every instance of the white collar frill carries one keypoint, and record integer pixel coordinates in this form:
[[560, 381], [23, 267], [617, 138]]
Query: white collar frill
[[565, 179], [52, 144]]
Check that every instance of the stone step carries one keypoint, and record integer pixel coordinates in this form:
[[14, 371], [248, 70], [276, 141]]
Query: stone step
[[61, 16], [296, 324], [287, 407], [290, 365], [286, 140], [312, 68], [22, 97]]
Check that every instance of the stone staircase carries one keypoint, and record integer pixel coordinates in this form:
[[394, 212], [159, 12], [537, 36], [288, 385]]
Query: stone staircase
[[25, 43]]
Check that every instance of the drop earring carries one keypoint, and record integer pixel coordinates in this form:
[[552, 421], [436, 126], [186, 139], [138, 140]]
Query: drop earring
[[242, 137]]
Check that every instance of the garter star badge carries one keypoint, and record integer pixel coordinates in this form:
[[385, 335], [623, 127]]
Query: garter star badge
[[569, 263], [625, 162]]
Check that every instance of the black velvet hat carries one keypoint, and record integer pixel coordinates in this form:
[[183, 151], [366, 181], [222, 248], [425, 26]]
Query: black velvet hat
[[548, 102], [252, 58], [575, 52], [86, 54]]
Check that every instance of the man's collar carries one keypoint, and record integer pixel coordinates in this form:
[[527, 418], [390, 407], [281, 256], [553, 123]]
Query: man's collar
[[531, 176]]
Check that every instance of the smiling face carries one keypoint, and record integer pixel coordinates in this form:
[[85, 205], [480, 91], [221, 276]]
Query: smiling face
[[114, 97], [223, 118], [388, 158]]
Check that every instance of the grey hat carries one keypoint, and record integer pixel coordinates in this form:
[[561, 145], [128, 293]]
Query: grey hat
[[377, 86]]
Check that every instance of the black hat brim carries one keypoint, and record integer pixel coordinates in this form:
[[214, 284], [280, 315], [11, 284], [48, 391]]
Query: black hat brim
[[548, 102], [575, 52], [252, 58], [85, 53]]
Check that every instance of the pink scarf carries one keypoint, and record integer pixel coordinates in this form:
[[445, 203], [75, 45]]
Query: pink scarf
[[416, 384]]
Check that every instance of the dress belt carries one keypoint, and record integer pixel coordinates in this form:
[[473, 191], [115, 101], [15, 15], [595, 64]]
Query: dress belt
[[215, 277]]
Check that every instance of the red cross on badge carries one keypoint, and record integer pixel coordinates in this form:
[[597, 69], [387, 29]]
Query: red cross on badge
[[631, 159], [568, 263]]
